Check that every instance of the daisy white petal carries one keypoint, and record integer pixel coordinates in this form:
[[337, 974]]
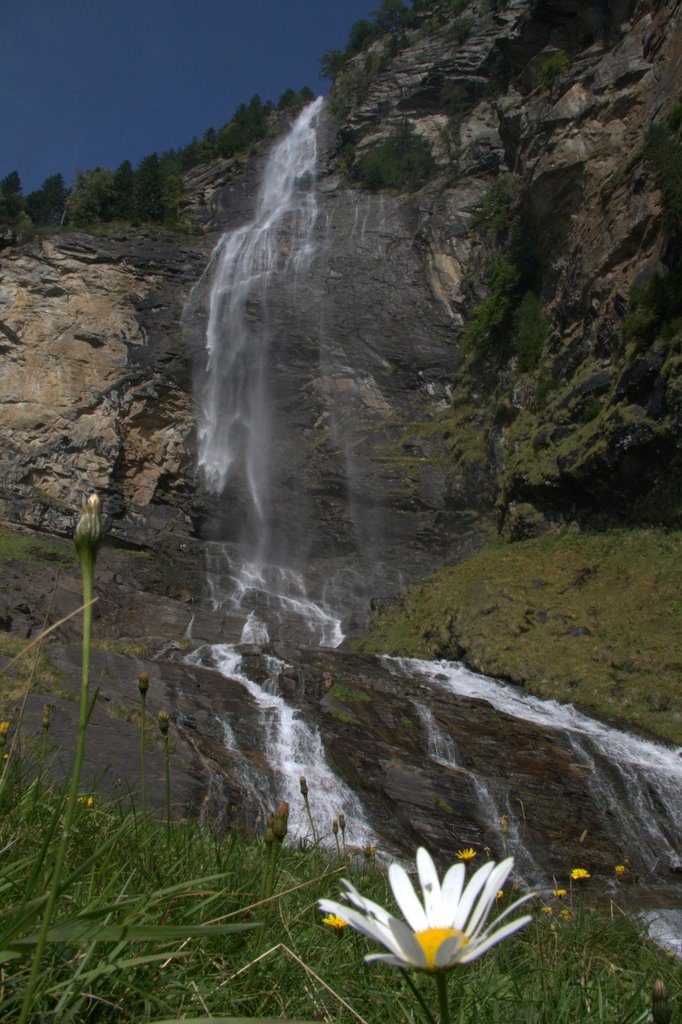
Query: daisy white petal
[[476, 949], [368, 906], [406, 898], [428, 879], [476, 883], [451, 892], [514, 906], [491, 888], [386, 958]]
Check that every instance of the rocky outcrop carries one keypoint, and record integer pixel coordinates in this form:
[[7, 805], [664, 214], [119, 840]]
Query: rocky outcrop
[[95, 382], [571, 143]]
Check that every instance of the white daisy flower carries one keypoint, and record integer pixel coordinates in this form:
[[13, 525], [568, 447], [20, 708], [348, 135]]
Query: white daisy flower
[[447, 928]]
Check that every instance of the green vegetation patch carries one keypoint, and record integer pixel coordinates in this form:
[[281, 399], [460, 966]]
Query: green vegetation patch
[[404, 161], [347, 696], [33, 548], [33, 668], [593, 619]]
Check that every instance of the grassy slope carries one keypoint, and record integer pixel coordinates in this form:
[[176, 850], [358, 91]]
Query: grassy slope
[[589, 618]]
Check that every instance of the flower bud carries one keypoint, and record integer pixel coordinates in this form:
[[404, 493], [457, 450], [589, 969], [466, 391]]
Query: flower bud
[[47, 714], [304, 786], [281, 822], [89, 529], [342, 821], [660, 1010], [164, 722], [335, 826], [143, 682]]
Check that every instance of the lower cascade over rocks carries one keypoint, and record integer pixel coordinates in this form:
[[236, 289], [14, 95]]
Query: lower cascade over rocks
[[442, 757]]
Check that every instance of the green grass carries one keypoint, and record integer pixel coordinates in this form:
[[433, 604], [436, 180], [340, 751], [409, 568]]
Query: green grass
[[122, 874], [34, 549], [589, 618], [346, 695]]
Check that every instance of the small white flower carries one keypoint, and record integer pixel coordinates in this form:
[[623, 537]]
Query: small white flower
[[447, 928]]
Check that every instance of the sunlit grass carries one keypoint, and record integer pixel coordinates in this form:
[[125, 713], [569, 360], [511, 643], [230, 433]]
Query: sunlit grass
[[588, 618]]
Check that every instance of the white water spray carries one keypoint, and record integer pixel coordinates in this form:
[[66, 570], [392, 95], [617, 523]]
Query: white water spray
[[493, 807]]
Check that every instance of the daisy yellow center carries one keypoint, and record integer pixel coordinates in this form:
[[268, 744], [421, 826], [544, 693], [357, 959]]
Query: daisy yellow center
[[431, 939]]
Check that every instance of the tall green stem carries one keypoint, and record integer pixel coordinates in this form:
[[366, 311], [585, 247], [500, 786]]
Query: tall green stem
[[88, 536], [442, 986], [143, 684]]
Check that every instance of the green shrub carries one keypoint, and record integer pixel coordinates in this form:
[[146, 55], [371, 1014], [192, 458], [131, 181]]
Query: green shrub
[[664, 155], [530, 331], [460, 29], [403, 162], [331, 64], [454, 97], [655, 309], [495, 208], [553, 67], [491, 320]]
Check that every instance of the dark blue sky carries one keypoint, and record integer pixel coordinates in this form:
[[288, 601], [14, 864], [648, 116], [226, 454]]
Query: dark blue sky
[[88, 83]]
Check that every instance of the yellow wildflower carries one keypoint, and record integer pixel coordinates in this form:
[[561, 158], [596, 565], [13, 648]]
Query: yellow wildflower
[[619, 869], [559, 893], [547, 910], [335, 922], [500, 894], [466, 854], [565, 913], [579, 874], [4, 728]]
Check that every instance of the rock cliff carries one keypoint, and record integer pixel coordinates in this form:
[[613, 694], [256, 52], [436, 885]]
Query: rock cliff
[[416, 416]]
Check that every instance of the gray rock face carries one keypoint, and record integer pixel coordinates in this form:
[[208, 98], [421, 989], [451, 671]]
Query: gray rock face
[[390, 453], [95, 382]]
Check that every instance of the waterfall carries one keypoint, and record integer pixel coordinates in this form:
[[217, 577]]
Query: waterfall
[[493, 808], [635, 782], [293, 748], [234, 416], [252, 568]]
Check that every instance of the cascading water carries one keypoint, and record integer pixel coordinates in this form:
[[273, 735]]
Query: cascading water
[[234, 413], [637, 783], [494, 809], [293, 748], [250, 570]]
